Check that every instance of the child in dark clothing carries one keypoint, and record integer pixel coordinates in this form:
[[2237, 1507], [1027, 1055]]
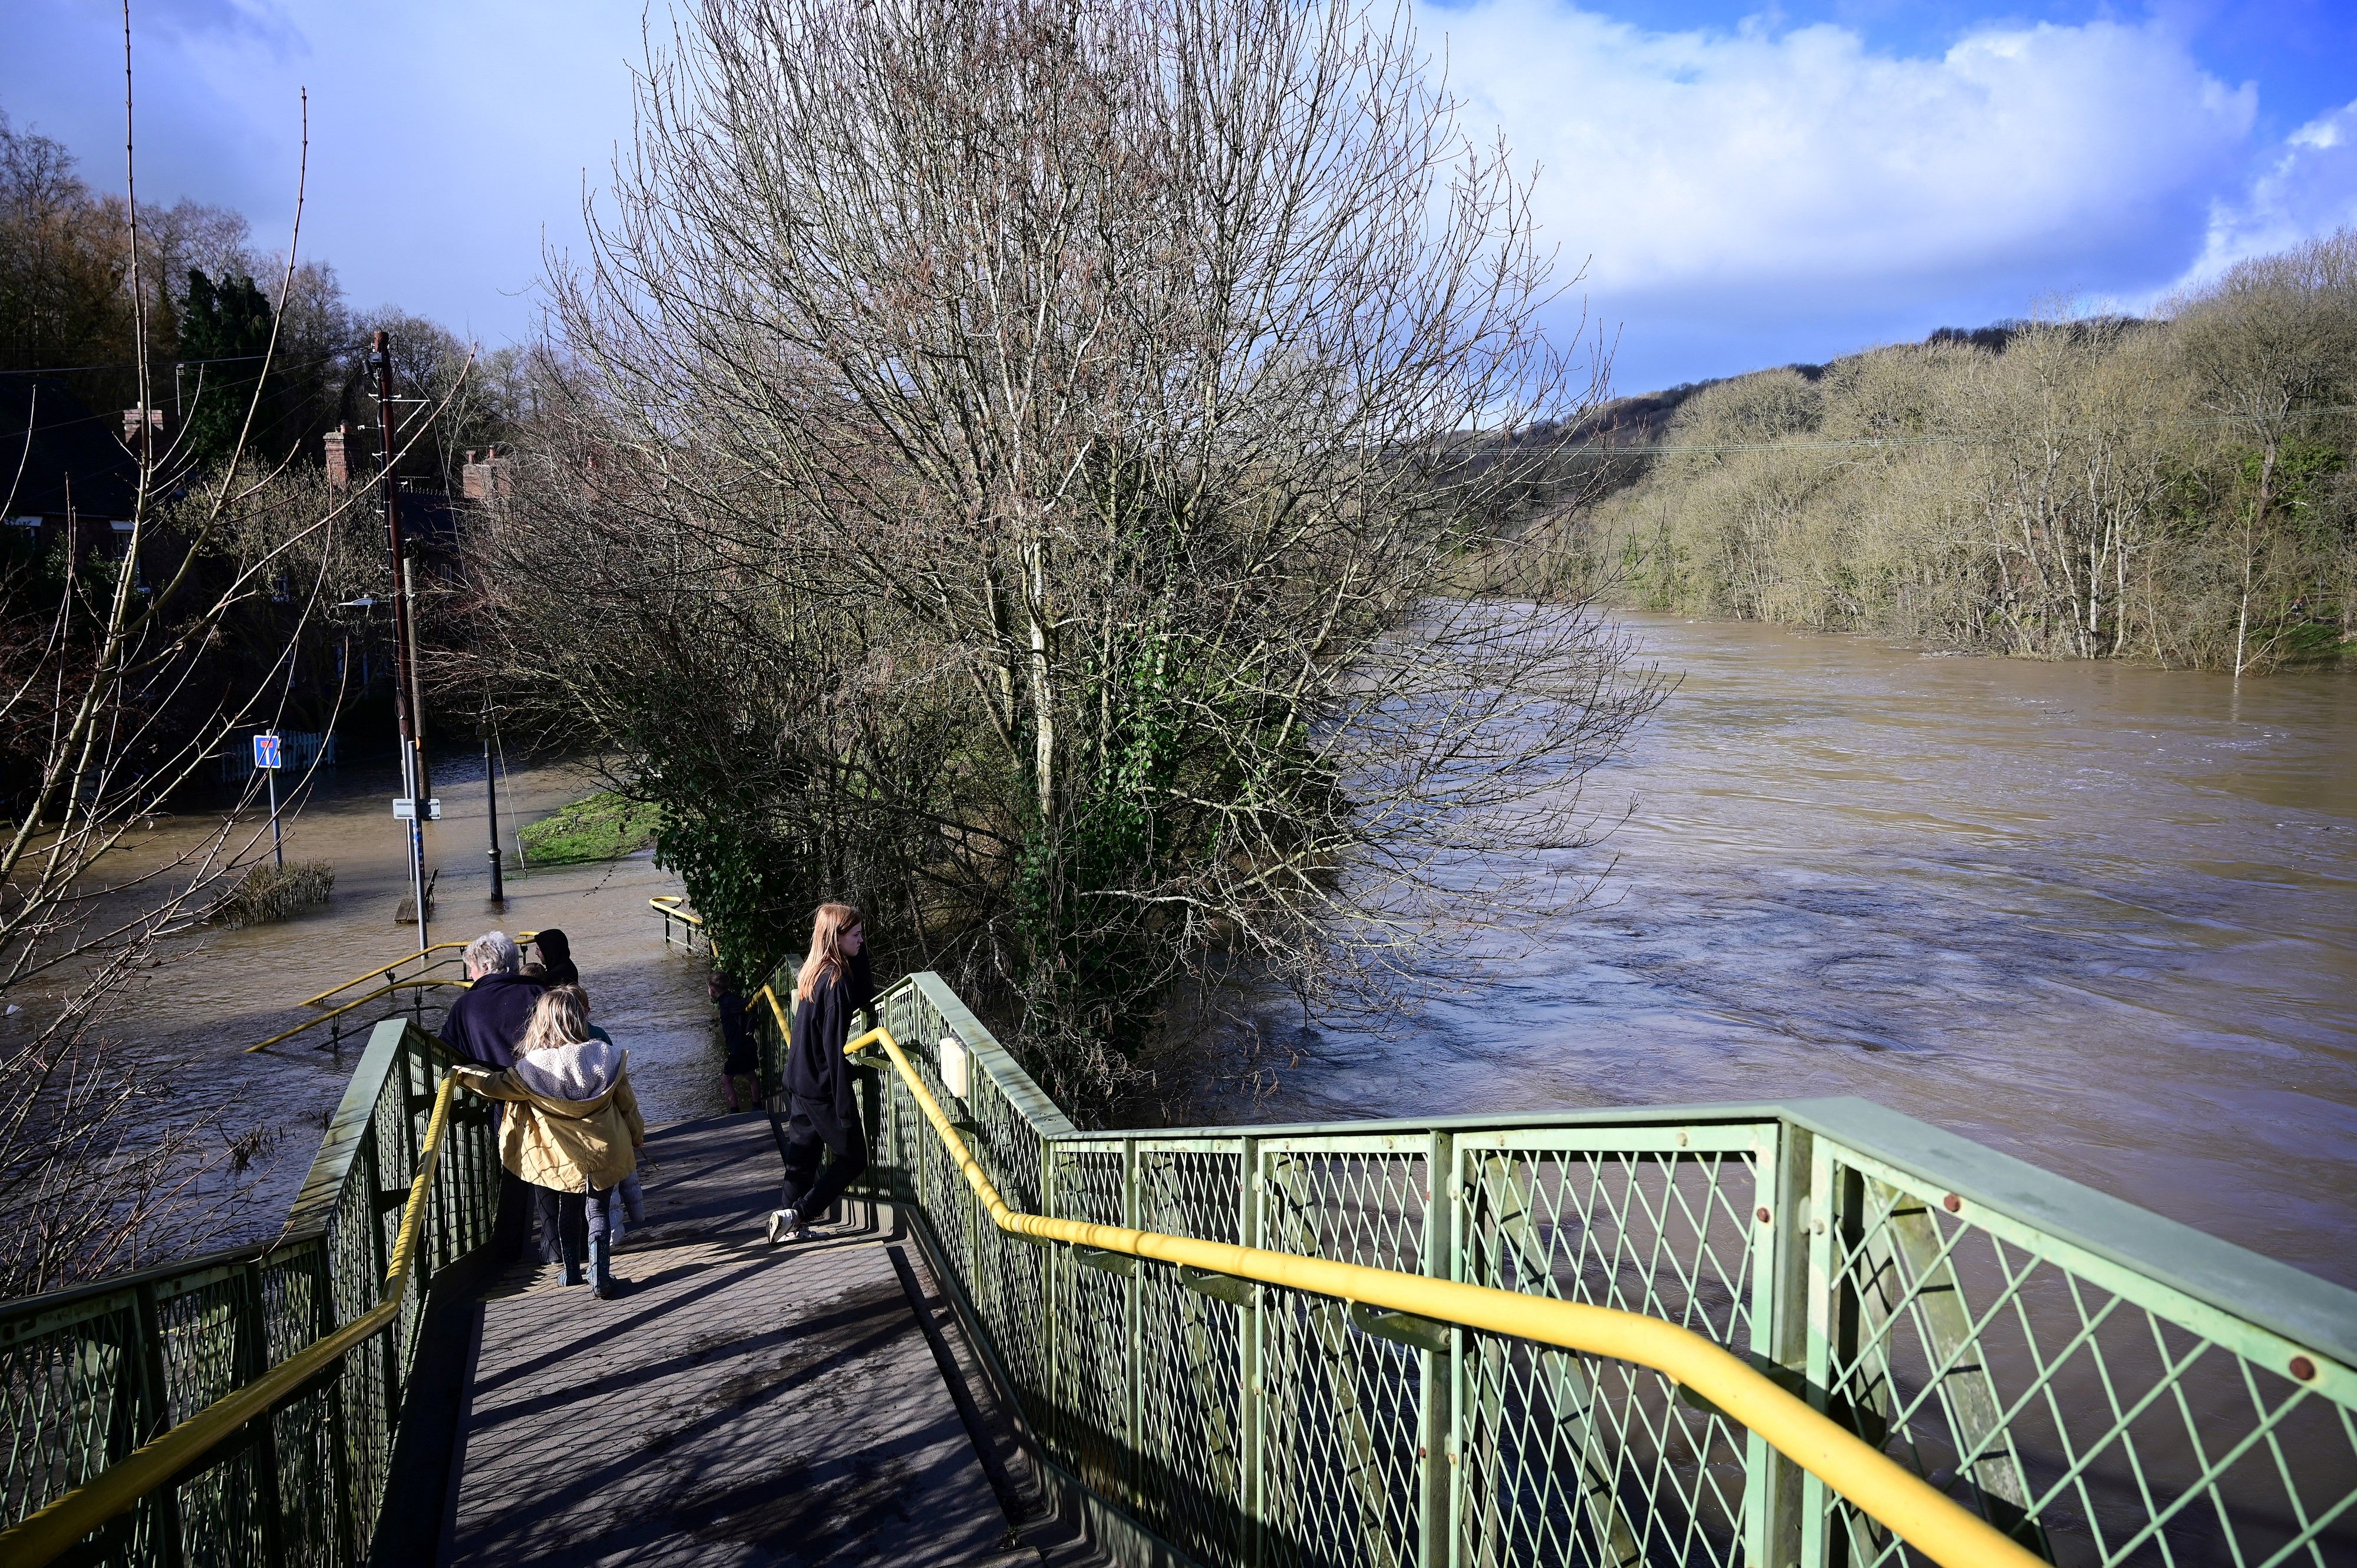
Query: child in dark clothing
[[740, 1063]]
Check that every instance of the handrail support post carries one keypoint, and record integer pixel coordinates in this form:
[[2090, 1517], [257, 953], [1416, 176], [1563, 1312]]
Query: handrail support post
[[1772, 1509], [1436, 1435], [157, 1409], [1252, 1405]]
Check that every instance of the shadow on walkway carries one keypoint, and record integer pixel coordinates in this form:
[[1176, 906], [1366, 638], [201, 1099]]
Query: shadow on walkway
[[739, 1404]]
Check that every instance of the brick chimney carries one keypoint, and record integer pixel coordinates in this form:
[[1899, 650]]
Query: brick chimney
[[132, 418], [340, 450], [494, 475]]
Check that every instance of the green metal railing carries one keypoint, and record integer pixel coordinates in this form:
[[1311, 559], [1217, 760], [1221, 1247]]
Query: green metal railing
[[2103, 1386], [89, 1377]]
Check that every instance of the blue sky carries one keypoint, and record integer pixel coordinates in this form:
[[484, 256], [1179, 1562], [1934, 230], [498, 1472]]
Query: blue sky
[[1743, 186]]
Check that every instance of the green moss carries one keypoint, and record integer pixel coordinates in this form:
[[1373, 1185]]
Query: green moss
[[602, 826]]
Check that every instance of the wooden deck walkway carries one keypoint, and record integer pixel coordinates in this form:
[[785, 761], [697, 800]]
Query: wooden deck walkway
[[739, 1404]]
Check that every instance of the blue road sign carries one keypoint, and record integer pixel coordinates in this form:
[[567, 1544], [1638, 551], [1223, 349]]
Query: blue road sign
[[265, 751]]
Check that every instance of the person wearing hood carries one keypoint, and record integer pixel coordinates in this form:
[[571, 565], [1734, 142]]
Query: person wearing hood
[[834, 984], [551, 958], [571, 1128]]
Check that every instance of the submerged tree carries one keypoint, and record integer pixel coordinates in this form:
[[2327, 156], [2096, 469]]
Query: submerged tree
[[1004, 464]]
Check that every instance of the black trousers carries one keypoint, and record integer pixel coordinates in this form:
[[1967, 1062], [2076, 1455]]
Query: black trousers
[[568, 1221], [564, 1225], [512, 1225], [806, 1188]]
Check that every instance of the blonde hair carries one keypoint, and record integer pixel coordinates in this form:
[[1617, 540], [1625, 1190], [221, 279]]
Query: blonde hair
[[826, 960], [561, 1017]]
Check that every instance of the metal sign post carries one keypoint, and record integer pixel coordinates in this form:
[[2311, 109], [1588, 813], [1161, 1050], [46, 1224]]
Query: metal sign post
[[267, 753]]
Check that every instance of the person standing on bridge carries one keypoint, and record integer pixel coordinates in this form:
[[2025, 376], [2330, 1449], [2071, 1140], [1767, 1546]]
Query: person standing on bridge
[[551, 962], [834, 984], [571, 1127], [486, 1024], [740, 1059]]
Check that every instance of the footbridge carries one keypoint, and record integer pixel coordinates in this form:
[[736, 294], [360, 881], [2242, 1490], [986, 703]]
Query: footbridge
[[1785, 1334]]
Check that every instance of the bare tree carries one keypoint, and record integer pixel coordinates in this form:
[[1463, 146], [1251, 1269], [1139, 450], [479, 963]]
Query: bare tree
[[123, 675], [2277, 339], [1071, 412]]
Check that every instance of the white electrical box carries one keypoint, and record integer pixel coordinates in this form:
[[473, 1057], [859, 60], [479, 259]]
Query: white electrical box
[[954, 1065]]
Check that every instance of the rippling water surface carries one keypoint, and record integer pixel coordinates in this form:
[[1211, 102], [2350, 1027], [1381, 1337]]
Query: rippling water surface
[[2101, 918]]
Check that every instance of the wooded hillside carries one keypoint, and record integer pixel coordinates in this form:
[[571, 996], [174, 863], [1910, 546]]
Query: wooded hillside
[[2176, 490]]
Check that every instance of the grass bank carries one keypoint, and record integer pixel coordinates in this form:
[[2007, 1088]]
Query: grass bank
[[604, 826]]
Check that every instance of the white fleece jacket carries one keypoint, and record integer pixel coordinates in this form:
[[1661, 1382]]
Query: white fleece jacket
[[582, 1071]]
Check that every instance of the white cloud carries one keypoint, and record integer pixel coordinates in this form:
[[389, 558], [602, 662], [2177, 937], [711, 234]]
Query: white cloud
[[1698, 163], [2307, 187]]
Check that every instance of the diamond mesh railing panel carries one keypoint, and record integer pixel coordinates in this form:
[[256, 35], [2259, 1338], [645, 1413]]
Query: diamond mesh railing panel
[[2098, 1415], [1094, 1316], [88, 1375], [1577, 1458], [1342, 1476], [1192, 1348]]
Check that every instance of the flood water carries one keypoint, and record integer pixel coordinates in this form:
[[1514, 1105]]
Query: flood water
[[216, 992], [2104, 918]]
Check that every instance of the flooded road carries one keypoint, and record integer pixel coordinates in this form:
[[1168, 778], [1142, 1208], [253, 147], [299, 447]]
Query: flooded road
[[217, 992], [2104, 918]]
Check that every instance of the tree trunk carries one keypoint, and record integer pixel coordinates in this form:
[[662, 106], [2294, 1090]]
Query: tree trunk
[[2250, 553]]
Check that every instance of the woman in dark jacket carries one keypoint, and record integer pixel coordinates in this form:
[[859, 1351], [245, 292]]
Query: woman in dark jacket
[[834, 984]]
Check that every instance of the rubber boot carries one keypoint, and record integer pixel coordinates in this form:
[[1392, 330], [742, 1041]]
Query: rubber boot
[[602, 1282]]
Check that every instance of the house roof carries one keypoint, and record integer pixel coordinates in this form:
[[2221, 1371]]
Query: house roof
[[52, 448]]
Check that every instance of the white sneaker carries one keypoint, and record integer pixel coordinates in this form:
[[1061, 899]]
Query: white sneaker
[[785, 1225]]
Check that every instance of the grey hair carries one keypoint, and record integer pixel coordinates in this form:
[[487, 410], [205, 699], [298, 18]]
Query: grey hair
[[493, 953]]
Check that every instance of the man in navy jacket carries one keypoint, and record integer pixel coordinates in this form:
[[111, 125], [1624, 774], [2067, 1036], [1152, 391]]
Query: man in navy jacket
[[486, 1024]]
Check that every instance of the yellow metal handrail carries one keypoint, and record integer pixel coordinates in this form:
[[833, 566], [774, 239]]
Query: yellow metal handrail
[[41, 1537], [381, 991], [396, 964], [1920, 1515]]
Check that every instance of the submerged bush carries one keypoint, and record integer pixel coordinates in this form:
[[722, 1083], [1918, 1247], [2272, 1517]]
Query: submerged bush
[[270, 893]]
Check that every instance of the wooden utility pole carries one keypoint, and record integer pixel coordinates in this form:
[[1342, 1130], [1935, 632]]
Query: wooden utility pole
[[405, 653]]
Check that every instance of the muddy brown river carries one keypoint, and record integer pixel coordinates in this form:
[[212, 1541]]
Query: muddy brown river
[[2101, 918]]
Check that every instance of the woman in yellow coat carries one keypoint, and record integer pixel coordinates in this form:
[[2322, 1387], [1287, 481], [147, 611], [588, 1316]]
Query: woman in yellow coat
[[573, 1128]]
